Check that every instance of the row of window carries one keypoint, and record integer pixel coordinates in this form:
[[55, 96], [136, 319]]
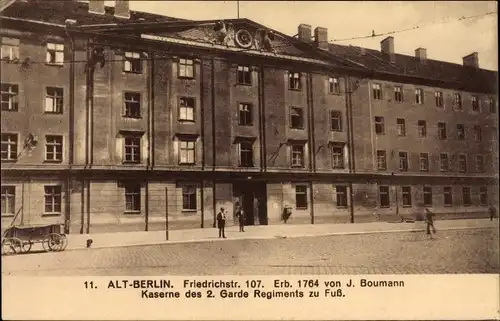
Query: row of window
[[301, 199], [442, 132], [53, 98], [475, 102], [444, 162], [10, 150], [53, 199]]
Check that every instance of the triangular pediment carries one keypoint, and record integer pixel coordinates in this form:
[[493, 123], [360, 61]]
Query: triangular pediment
[[235, 35]]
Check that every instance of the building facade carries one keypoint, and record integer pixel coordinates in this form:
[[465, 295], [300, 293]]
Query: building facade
[[113, 120]]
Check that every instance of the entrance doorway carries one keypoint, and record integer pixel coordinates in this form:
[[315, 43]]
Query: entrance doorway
[[252, 198]]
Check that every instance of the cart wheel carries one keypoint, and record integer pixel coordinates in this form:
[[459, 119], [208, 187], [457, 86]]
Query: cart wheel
[[26, 247], [56, 242], [11, 246], [45, 244], [65, 242]]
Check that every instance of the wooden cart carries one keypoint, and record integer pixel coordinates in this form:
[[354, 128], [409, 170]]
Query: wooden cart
[[20, 239]]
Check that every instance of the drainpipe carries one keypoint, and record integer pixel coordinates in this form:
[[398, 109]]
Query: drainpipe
[[213, 139], [71, 114], [348, 90], [202, 129], [312, 147]]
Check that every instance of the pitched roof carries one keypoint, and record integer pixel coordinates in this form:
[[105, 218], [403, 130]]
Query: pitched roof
[[57, 11], [475, 79]]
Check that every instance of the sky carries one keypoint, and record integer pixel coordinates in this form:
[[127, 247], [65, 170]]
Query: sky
[[448, 41]]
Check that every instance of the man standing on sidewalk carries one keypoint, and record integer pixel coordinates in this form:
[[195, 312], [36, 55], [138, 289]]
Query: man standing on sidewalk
[[493, 212], [429, 219], [221, 222], [241, 219]]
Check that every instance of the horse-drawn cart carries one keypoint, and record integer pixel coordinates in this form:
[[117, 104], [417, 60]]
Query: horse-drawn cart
[[20, 239]]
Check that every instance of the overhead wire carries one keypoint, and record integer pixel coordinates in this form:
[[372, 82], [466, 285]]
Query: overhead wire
[[447, 20]]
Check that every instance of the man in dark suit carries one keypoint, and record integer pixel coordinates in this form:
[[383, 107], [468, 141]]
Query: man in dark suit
[[429, 219], [493, 212], [221, 222], [241, 219]]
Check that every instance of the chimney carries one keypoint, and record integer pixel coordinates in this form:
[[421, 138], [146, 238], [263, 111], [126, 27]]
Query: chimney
[[305, 32], [321, 37], [387, 47], [471, 60], [96, 6], [122, 9], [421, 54]]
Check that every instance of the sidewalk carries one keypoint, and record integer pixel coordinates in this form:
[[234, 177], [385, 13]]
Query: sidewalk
[[78, 241]]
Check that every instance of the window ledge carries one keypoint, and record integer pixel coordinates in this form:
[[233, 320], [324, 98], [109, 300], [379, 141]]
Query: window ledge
[[49, 161], [186, 78], [8, 215], [54, 64], [131, 163], [51, 214], [9, 160], [132, 212], [244, 84], [295, 89], [132, 117], [406, 206], [11, 110], [189, 211], [52, 113], [334, 93], [246, 125], [385, 206], [187, 164], [342, 207], [301, 208], [187, 121], [132, 72]]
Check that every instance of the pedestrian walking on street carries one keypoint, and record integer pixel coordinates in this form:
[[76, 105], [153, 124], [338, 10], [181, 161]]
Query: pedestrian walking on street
[[429, 219], [241, 219], [221, 222], [493, 212]]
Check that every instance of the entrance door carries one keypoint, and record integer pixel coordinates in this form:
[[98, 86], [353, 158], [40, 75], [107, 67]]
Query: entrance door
[[252, 199]]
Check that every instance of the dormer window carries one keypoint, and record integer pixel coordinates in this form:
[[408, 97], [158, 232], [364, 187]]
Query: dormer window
[[132, 62], [10, 49], [333, 85], [55, 54], [294, 80]]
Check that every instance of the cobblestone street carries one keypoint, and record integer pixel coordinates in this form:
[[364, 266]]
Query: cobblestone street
[[453, 251]]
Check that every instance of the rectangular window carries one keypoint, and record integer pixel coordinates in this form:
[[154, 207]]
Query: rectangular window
[[297, 155], [8, 200], [294, 80], [442, 131], [424, 162], [448, 196], [244, 75], [483, 196], [301, 197], [401, 127], [480, 163], [377, 91], [187, 150], [186, 108], [132, 62], [10, 49], [384, 199], [398, 94], [457, 101], [444, 164], [406, 191], [379, 125], [338, 156], [246, 154], [478, 133], [341, 192], [403, 161], [189, 198], [381, 160], [55, 54], [132, 198], [460, 132], [10, 97], [439, 99], [245, 114], [132, 105], [336, 120], [132, 149], [462, 163], [427, 196], [475, 103], [53, 100], [9, 147], [422, 129], [419, 96], [53, 148], [466, 196], [333, 85], [296, 118], [186, 68], [492, 105], [53, 199]]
